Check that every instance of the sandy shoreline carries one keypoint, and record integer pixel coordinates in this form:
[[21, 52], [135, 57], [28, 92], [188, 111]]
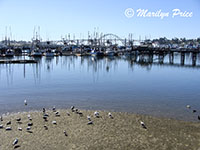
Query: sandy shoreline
[[124, 131]]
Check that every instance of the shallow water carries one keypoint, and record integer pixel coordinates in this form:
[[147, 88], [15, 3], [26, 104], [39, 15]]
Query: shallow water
[[117, 84]]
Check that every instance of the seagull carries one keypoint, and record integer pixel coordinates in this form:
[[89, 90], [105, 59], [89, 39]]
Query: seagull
[[1, 118], [188, 106], [68, 114], [30, 124], [19, 128], [194, 111], [54, 122], [96, 114], [89, 118], [110, 115], [81, 114], [72, 108], [1, 126], [90, 122], [25, 102], [65, 133], [28, 128], [8, 128], [199, 117], [18, 119], [54, 109], [57, 114], [45, 118], [143, 125], [46, 128], [29, 117], [8, 123], [15, 142], [44, 110]]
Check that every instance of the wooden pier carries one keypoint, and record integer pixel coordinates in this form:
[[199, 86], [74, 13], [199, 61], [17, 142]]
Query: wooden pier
[[17, 61]]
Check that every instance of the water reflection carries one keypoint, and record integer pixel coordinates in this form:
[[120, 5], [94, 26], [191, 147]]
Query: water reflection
[[136, 83]]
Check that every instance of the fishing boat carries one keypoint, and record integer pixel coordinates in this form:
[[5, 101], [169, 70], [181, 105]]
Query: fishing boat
[[49, 53], [36, 53], [109, 52], [9, 53]]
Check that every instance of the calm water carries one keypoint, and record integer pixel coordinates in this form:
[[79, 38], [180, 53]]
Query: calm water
[[116, 84]]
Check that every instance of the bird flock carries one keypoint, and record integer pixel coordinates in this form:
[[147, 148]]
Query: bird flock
[[45, 116]]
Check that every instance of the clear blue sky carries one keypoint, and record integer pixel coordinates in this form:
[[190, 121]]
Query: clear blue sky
[[59, 17]]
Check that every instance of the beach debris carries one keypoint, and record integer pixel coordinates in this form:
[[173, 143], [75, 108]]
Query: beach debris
[[18, 119], [194, 111], [8, 123], [15, 142], [90, 122], [44, 110], [68, 114], [8, 128], [143, 125], [89, 118], [65, 133], [19, 128], [199, 117], [96, 114], [46, 128], [54, 122], [1, 126], [1, 118], [28, 128], [54, 109], [30, 124], [188, 106], [110, 115], [25, 102], [72, 108]]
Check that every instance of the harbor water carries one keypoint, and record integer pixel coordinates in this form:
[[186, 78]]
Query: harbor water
[[108, 83]]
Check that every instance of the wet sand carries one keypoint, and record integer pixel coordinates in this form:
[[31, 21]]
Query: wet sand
[[123, 132]]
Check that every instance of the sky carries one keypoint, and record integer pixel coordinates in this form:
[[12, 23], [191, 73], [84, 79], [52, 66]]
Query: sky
[[57, 18]]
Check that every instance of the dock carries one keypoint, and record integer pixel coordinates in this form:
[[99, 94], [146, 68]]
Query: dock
[[17, 61]]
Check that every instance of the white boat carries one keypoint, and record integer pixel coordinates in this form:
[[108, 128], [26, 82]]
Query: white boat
[[36, 53], [9, 53]]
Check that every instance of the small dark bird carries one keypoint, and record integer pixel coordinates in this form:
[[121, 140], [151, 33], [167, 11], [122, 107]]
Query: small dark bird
[[199, 117], [8, 123], [15, 142], [44, 110], [1, 118], [194, 111], [65, 133]]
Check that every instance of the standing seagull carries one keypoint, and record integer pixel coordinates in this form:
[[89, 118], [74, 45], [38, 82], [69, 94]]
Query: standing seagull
[[96, 114], [65, 133], [110, 115], [25, 102], [15, 142], [143, 125], [199, 117], [1, 118]]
